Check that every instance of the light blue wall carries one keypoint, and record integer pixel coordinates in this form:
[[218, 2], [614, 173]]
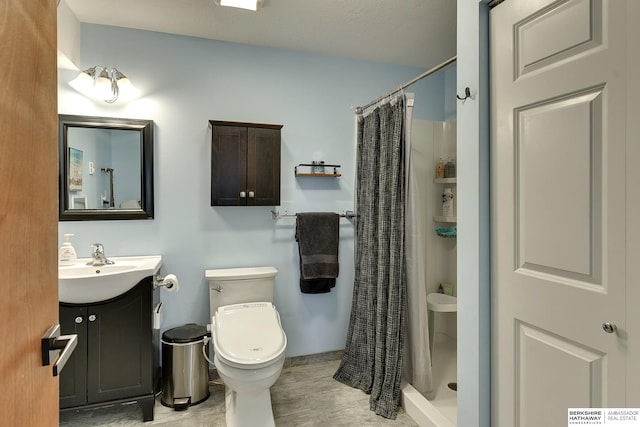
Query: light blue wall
[[184, 83], [126, 156]]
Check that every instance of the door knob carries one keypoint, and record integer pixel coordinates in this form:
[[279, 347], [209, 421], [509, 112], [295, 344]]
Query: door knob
[[609, 327], [92, 318], [251, 194], [78, 319], [243, 194]]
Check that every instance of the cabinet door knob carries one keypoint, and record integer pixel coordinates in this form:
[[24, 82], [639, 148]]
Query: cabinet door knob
[[92, 318], [609, 327], [79, 319], [243, 194], [251, 194]]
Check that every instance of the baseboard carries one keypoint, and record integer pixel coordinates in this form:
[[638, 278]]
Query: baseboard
[[313, 358]]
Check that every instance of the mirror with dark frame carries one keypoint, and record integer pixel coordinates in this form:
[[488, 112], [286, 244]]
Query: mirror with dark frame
[[105, 169]]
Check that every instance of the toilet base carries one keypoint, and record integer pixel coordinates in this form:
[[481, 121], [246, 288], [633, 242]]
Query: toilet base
[[248, 409]]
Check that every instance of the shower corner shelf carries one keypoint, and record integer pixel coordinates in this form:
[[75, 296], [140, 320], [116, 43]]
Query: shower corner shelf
[[444, 180], [450, 232], [440, 218], [334, 174]]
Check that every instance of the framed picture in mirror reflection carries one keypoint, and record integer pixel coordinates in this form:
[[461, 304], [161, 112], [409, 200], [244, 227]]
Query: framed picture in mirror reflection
[[75, 169]]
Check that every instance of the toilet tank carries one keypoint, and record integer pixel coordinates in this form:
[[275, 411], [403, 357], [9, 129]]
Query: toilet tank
[[239, 285]]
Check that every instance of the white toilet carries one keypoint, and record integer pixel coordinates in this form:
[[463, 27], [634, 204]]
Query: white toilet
[[248, 341]]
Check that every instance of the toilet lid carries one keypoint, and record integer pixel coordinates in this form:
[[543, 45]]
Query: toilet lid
[[248, 334]]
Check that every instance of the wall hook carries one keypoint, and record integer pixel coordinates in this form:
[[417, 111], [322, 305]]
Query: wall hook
[[467, 94]]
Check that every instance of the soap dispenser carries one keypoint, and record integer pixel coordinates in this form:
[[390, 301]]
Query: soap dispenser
[[67, 254]]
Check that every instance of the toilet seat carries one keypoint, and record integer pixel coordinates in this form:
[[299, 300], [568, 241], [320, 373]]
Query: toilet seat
[[248, 336]]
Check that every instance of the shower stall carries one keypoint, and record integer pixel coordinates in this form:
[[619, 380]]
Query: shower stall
[[435, 265], [404, 307]]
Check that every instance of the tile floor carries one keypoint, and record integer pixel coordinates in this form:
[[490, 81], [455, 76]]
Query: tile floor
[[305, 395]]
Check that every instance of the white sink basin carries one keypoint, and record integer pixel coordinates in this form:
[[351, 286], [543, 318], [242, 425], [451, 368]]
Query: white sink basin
[[81, 283]]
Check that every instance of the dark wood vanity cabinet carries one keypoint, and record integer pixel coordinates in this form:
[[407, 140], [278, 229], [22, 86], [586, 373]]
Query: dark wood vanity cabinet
[[245, 164], [116, 359]]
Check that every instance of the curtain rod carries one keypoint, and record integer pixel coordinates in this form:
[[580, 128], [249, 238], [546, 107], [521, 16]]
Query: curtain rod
[[360, 110]]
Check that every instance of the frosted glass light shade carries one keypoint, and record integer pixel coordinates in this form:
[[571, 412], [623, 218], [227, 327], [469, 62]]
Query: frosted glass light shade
[[126, 89], [83, 83], [103, 86]]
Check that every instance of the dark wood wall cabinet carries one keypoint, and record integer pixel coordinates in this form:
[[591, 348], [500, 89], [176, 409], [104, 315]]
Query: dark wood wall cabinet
[[245, 164], [117, 356]]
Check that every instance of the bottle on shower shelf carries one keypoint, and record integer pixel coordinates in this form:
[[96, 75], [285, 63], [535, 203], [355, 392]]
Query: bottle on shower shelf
[[440, 168], [450, 169], [447, 202]]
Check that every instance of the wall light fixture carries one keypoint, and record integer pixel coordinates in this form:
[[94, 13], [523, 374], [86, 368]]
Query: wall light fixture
[[107, 84]]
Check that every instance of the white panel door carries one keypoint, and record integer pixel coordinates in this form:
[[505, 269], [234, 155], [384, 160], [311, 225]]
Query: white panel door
[[559, 73]]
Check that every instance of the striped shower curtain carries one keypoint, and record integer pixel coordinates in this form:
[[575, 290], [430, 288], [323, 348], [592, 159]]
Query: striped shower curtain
[[372, 359]]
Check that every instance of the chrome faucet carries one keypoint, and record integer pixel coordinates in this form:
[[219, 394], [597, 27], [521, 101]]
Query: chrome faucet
[[97, 253]]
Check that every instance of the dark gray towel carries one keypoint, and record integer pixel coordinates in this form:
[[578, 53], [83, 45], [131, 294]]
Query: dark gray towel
[[317, 234]]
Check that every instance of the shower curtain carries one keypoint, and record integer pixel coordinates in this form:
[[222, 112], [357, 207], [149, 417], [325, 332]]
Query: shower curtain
[[373, 353], [417, 363]]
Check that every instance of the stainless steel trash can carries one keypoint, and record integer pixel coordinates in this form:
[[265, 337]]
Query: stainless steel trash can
[[185, 371]]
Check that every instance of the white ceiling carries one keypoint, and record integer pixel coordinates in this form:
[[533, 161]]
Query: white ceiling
[[419, 33]]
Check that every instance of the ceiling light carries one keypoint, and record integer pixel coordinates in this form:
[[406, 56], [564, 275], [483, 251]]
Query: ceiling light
[[242, 4], [107, 84]]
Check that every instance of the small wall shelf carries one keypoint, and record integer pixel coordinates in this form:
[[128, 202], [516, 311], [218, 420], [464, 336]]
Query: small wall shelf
[[439, 218], [333, 170]]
